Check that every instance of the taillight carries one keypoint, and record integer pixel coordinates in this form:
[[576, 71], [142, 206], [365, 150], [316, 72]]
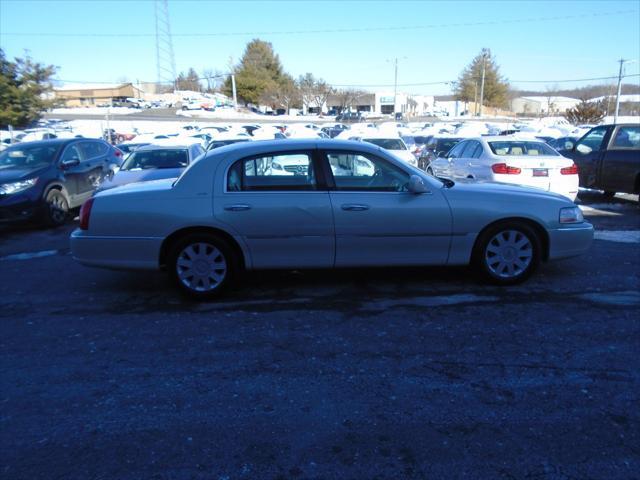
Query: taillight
[[85, 213], [505, 169], [118, 153], [572, 170]]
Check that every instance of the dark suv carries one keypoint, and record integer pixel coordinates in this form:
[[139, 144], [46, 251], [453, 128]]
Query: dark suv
[[44, 180], [608, 158], [435, 146]]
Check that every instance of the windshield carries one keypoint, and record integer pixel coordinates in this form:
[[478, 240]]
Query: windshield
[[29, 156], [522, 148], [387, 143], [150, 159]]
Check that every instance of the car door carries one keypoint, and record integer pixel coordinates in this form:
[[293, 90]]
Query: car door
[[587, 154], [460, 165], [94, 167], [377, 221], [621, 161], [443, 166], [74, 174], [280, 207]]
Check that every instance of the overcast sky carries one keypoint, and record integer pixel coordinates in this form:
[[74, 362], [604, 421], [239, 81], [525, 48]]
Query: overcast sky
[[584, 38]]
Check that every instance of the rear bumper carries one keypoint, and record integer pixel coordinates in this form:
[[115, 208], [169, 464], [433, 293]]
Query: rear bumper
[[570, 241], [121, 253]]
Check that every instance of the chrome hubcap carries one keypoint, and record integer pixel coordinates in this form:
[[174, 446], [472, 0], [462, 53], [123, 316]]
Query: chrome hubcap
[[201, 267], [509, 253]]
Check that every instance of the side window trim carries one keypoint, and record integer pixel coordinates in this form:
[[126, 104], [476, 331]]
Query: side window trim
[[69, 147]]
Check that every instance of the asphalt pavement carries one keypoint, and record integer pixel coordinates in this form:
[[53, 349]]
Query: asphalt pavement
[[355, 374]]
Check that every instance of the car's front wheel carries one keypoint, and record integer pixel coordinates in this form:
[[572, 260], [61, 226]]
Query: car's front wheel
[[202, 265], [508, 253], [56, 209]]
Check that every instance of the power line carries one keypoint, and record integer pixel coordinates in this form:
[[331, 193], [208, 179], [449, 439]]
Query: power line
[[420, 84], [328, 30]]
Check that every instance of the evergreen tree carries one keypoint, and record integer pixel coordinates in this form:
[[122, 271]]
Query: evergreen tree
[[24, 88], [496, 88], [259, 71]]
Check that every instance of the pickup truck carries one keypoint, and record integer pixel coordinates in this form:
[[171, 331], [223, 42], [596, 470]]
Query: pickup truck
[[608, 158]]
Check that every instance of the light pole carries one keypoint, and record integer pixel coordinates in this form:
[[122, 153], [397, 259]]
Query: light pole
[[484, 61], [622, 62], [395, 81]]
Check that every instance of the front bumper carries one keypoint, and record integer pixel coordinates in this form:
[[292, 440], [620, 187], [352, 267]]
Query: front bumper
[[570, 240], [18, 208], [119, 253]]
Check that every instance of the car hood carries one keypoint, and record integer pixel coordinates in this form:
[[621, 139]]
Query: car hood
[[10, 175], [124, 177]]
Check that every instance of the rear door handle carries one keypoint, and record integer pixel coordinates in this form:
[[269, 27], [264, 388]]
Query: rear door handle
[[238, 207], [354, 207]]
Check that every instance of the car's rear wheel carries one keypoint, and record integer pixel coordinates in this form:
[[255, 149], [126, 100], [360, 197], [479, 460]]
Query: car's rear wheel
[[508, 253], [56, 209], [202, 265]]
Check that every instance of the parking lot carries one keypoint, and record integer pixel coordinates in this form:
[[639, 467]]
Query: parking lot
[[389, 373]]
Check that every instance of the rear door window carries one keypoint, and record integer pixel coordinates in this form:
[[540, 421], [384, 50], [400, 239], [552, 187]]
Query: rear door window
[[277, 172], [627, 137], [92, 150]]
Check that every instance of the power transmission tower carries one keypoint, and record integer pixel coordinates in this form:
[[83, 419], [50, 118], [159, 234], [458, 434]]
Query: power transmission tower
[[165, 58]]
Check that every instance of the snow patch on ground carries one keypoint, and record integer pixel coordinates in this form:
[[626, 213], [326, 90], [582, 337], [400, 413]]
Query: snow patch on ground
[[621, 236], [614, 298]]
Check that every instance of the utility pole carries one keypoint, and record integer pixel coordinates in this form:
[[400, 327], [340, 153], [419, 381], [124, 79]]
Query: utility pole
[[233, 89], [395, 86], [475, 97], [622, 62], [482, 82]]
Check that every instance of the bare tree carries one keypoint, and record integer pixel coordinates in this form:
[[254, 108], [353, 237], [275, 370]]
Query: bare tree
[[321, 93], [347, 97]]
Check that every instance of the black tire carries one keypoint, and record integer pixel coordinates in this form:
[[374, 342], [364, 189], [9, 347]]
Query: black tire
[[488, 262], [56, 209], [197, 287]]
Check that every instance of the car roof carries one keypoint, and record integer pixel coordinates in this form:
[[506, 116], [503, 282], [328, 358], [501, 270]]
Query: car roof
[[507, 138], [257, 147], [153, 146], [53, 141]]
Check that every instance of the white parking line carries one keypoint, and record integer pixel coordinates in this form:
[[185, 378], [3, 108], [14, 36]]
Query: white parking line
[[30, 255], [621, 236]]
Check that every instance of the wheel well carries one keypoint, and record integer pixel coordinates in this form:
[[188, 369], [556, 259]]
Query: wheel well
[[539, 229], [55, 186], [165, 248]]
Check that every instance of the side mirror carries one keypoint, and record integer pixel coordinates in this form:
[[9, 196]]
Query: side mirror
[[73, 162], [416, 185]]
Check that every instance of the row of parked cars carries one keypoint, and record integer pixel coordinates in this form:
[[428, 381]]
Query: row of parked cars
[[47, 179]]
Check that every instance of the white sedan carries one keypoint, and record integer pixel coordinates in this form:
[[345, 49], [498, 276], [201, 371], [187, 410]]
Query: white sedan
[[349, 204], [509, 160]]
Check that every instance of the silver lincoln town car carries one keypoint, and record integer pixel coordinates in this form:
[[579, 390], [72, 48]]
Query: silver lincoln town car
[[321, 204]]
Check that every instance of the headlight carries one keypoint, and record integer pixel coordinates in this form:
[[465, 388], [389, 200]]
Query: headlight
[[571, 215], [15, 187]]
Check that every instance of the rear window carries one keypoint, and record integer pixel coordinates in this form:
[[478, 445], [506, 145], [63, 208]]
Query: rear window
[[446, 144], [517, 149], [627, 137], [386, 143], [151, 159]]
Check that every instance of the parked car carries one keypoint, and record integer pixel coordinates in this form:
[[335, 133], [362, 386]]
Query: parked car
[[416, 143], [436, 146], [154, 162], [509, 160], [127, 147], [43, 180], [563, 143], [608, 158], [230, 211], [395, 145], [227, 141], [350, 117], [334, 130]]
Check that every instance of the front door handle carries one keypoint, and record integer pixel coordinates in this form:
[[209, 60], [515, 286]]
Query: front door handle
[[354, 207], [238, 207]]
